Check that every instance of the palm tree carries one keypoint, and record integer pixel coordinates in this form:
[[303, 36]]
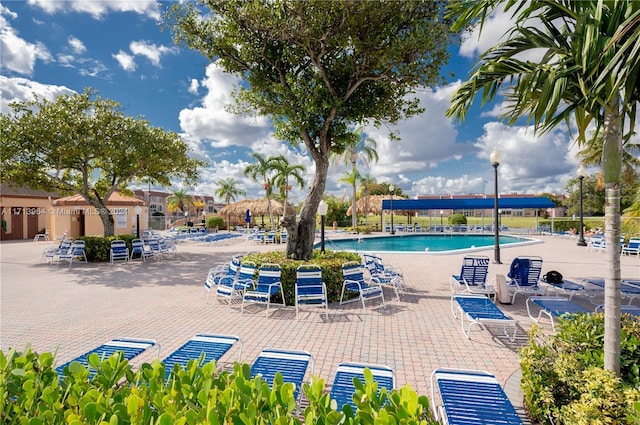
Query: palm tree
[[355, 146], [179, 200], [351, 178], [228, 190], [261, 169], [366, 183], [588, 73], [284, 170]]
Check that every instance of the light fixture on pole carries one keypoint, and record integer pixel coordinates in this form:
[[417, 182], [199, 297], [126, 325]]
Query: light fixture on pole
[[495, 158], [137, 210], [391, 189], [322, 210], [441, 221], [582, 173]]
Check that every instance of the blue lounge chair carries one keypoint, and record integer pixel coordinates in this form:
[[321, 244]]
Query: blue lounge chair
[[632, 248], [118, 251], [343, 388], [627, 288], [232, 288], [384, 275], [130, 347], [568, 287], [229, 270], [354, 281], [75, 252], [554, 307], [266, 286], [471, 397], [524, 274], [473, 277], [624, 309], [50, 254], [310, 289], [210, 347], [291, 364], [478, 310], [139, 249]]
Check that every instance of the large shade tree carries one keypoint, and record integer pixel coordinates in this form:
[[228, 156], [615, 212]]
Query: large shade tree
[[83, 144], [317, 67], [587, 74]]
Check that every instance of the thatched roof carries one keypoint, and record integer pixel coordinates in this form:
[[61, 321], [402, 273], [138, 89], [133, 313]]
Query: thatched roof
[[256, 206], [369, 204]]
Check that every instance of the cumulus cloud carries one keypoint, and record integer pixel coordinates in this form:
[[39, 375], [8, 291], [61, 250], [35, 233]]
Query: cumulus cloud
[[76, 45], [125, 60], [98, 8], [22, 89], [210, 121], [150, 51], [16, 54]]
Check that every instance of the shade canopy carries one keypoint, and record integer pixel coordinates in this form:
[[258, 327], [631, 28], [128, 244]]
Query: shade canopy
[[468, 203], [256, 206], [369, 204]]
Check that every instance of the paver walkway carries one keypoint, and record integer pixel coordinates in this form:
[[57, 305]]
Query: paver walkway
[[70, 310]]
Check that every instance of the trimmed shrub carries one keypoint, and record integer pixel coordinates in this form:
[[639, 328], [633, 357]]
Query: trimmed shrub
[[215, 221], [564, 381], [97, 248], [199, 394], [331, 263], [457, 219]]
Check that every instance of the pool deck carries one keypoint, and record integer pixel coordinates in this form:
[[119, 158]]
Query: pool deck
[[71, 310]]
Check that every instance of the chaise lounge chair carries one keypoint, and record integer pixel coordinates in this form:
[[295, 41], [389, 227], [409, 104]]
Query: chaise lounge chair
[[311, 291], [524, 274], [554, 307], [267, 285], [343, 388], [129, 347], [478, 310], [291, 364], [232, 288], [471, 397], [354, 281], [473, 277], [210, 347]]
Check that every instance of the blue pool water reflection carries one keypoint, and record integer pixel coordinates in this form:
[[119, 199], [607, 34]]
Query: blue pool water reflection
[[446, 243]]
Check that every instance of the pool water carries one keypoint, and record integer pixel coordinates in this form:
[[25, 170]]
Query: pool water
[[446, 243]]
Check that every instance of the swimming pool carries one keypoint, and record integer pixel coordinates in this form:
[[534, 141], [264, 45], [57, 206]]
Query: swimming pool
[[432, 244]]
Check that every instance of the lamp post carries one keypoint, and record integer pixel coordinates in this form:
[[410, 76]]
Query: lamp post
[[137, 210], [322, 210], [391, 189], [581, 175], [495, 158]]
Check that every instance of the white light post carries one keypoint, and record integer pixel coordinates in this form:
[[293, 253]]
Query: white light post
[[495, 158], [322, 210], [137, 210], [581, 175], [391, 189], [441, 221]]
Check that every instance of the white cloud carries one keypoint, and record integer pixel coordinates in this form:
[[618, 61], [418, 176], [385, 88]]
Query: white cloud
[[126, 61], [21, 89], [213, 123], [76, 45], [150, 51], [98, 8], [16, 54], [193, 86]]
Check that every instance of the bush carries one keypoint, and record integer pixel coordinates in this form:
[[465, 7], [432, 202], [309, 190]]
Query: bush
[[564, 381], [199, 394], [215, 221], [457, 219], [98, 248], [331, 263]]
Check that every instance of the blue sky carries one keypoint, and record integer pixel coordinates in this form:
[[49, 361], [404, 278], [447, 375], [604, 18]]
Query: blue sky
[[60, 47]]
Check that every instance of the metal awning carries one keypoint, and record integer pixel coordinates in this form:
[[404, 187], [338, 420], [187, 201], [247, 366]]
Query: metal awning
[[467, 203]]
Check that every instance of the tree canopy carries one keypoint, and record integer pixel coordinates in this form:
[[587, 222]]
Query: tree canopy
[[83, 144], [317, 67]]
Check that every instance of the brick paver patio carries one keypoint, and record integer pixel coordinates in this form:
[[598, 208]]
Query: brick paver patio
[[70, 310]]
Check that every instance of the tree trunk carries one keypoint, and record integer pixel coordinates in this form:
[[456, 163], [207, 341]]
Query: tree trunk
[[301, 235], [611, 170], [105, 216]]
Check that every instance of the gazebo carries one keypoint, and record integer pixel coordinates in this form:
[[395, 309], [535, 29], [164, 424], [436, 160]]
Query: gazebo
[[257, 207]]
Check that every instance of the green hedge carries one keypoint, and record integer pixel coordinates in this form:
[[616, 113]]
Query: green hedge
[[98, 248], [33, 394], [563, 377], [331, 263]]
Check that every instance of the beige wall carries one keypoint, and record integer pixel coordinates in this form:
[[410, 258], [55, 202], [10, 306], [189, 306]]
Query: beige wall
[[26, 216]]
